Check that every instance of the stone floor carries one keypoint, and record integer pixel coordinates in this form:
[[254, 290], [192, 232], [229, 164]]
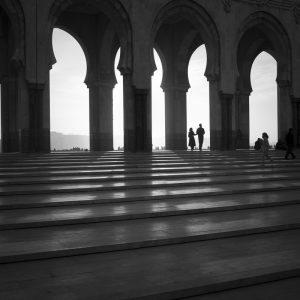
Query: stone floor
[[166, 225]]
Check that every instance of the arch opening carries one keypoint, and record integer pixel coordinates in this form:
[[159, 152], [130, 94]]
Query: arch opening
[[198, 95], [179, 29], [158, 106], [263, 39], [69, 101], [104, 28], [263, 100], [118, 111]]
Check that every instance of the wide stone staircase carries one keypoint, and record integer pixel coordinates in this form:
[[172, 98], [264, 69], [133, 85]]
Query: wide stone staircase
[[163, 225]]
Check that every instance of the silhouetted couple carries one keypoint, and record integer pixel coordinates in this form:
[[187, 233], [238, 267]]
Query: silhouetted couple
[[200, 132]]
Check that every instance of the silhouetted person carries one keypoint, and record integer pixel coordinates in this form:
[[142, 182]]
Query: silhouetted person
[[289, 139], [258, 143], [192, 142], [265, 147], [200, 132]]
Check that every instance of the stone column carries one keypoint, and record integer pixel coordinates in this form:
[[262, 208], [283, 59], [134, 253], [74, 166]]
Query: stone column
[[227, 132], [9, 115], [129, 114], [101, 116], [175, 114], [137, 117], [215, 113], [243, 120], [37, 137], [284, 108], [296, 120], [143, 116]]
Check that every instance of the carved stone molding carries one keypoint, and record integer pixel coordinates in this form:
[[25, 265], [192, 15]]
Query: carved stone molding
[[283, 83], [227, 5], [296, 11], [265, 2], [212, 77], [281, 4], [289, 5]]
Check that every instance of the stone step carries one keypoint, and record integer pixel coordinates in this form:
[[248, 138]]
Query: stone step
[[138, 165], [135, 156], [167, 272], [178, 173], [91, 170], [142, 184], [72, 166], [60, 241], [187, 223], [52, 160], [282, 288], [92, 213], [88, 171], [127, 159], [14, 201]]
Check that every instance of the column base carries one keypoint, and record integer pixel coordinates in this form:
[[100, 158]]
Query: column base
[[101, 142], [35, 141], [177, 142], [215, 140], [10, 143]]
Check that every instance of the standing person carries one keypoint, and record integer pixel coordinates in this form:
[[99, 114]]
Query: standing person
[[289, 138], [265, 147], [192, 142], [200, 132]]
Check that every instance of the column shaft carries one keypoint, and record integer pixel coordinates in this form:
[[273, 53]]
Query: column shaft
[[129, 115], [215, 111], [137, 117], [284, 109], [242, 132], [143, 118], [101, 117], [227, 132], [37, 137], [176, 120], [9, 115], [296, 121]]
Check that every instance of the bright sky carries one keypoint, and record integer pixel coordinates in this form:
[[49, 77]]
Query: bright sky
[[69, 95]]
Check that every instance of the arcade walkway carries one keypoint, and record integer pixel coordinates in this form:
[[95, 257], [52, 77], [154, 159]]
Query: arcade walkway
[[166, 225]]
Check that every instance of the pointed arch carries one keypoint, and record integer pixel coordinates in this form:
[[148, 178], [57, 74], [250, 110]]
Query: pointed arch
[[262, 32], [115, 13], [68, 105], [263, 100], [202, 31]]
